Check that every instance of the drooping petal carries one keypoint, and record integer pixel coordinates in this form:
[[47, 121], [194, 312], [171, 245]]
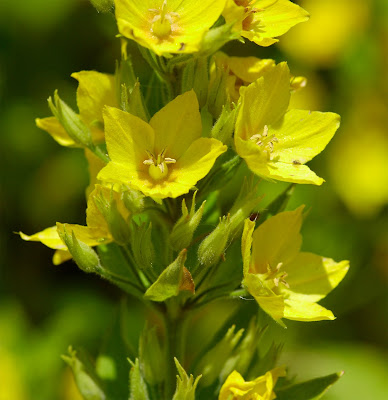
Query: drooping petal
[[303, 134], [177, 125], [60, 256], [89, 236], [305, 311], [264, 102], [277, 240], [48, 237], [56, 130], [312, 277]]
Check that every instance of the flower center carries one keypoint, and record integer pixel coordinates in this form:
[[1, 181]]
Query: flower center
[[275, 276], [162, 21], [158, 165], [265, 142]]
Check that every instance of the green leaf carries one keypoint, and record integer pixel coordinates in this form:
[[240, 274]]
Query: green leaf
[[309, 390], [137, 385], [186, 385], [169, 281]]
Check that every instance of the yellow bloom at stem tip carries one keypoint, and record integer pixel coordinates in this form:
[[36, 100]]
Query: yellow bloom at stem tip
[[95, 90], [236, 388], [164, 158], [167, 26], [94, 233], [276, 142], [286, 282], [262, 21]]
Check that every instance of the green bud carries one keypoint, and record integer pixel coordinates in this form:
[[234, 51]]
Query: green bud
[[214, 360], [171, 281], [132, 101], [224, 127], [133, 200], [217, 97], [246, 202], [118, 226], [84, 256], [185, 387], [183, 231], [103, 6], [196, 76], [85, 377], [215, 38], [137, 386], [71, 122], [152, 357], [213, 246], [142, 245]]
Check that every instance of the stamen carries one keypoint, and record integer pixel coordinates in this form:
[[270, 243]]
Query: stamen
[[158, 165], [265, 141]]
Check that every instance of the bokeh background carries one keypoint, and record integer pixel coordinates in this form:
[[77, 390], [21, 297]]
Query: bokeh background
[[342, 50]]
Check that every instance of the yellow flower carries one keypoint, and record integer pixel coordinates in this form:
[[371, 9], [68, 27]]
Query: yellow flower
[[285, 282], [236, 388], [274, 142], [164, 158], [94, 91], [261, 21], [94, 233], [167, 26]]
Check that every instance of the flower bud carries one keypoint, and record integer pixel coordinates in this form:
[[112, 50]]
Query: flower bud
[[133, 200], [84, 256], [142, 246], [132, 101], [72, 122], [183, 231], [85, 377], [224, 127], [103, 6], [215, 38], [213, 246], [196, 76], [217, 97], [118, 226]]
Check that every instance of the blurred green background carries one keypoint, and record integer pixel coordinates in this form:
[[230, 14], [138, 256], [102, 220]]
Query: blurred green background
[[342, 50]]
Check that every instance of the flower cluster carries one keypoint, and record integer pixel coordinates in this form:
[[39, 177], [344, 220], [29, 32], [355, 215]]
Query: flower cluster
[[188, 134]]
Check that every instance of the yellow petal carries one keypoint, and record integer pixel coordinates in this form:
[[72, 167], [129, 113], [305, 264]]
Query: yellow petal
[[95, 165], [48, 237], [303, 134], [312, 277], [187, 21], [246, 244], [177, 125], [264, 102], [271, 303], [291, 173], [60, 256], [89, 236], [277, 240], [305, 311], [95, 90], [56, 130]]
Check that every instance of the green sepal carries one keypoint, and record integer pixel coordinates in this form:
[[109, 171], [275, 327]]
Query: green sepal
[[224, 127], [88, 383], [83, 255], [133, 200], [185, 387], [142, 245], [213, 362], [132, 101], [217, 96], [103, 6], [137, 386], [71, 121], [196, 76], [183, 231], [215, 38], [169, 281], [309, 390]]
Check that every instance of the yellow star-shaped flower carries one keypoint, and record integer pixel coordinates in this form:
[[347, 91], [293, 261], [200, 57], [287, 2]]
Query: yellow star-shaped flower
[[95, 90], [274, 142], [167, 26], [286, 282], [164, 158], [262, 21], [236, 388]]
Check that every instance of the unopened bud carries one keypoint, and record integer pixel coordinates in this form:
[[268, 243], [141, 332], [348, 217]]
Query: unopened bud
[[224, 127], [183, 231], [142, 245], [84, 256], [298, 82], [132, 101], [117, 225], [217, 97], [71, 121], [215, 38], [195, 76], [213, 246], [133, 200]]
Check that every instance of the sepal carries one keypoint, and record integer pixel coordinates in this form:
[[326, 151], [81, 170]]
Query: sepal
[[185, 388]]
